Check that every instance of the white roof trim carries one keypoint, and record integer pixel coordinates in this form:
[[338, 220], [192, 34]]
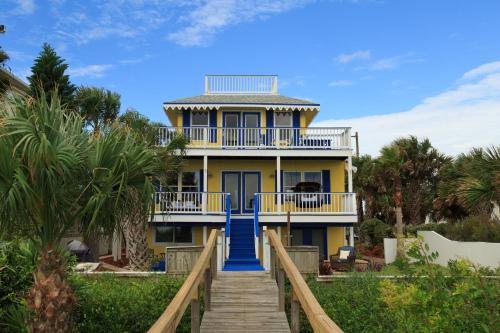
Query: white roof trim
[[276, 107]]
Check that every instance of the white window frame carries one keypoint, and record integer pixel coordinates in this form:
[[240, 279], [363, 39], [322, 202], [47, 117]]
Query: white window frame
[[283, 126], [174, 242]]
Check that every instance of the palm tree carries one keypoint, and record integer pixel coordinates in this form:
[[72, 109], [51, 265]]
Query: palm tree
[[54, 175], [390, 164], [139, 208], [97, 106]]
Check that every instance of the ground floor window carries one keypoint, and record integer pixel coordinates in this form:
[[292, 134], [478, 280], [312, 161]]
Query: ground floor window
[[173, 234], [311, 237]]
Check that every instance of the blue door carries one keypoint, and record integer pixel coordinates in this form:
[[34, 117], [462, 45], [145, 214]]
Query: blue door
[[251, 123], [231, 124], [251, 185], [231, 184]]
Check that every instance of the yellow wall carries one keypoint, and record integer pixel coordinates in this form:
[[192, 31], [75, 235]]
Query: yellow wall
[[336, 236]]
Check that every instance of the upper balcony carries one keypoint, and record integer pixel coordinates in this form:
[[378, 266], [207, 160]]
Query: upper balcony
[[259, 138]]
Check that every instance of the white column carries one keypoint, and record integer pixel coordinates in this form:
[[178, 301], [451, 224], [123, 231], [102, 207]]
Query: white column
[[205, 185], [351, 236], [349, 174], [278, 230], [117, 246], [205, 235], [266, 250], [220, 250], [278, 181]]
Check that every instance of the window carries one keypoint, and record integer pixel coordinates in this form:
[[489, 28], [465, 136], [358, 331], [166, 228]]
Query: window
[[283, 119], [190, 181], [292, 178], [171, 234], [199, 118]]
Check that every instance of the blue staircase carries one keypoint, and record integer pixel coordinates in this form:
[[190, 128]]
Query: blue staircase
[[242, 247]]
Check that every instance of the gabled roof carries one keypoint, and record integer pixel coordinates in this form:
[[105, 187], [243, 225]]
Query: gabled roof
[[275, 102]]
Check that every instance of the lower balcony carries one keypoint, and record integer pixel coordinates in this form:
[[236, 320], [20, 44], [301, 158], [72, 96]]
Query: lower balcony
[[216, 207]]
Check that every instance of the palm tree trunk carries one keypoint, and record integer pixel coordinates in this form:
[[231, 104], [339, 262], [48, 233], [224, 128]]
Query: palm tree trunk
[[398, 201], [50, 299]]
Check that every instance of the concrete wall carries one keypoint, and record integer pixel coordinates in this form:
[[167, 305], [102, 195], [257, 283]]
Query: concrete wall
[[480, 253]]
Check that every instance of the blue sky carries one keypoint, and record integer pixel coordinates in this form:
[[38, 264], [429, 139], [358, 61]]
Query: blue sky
[[387, 68]]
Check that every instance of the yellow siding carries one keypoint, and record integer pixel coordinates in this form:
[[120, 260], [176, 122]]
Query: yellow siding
[[198, 235], [336, 237]]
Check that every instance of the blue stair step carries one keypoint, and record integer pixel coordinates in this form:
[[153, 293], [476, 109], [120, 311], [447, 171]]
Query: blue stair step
[[242, 247]]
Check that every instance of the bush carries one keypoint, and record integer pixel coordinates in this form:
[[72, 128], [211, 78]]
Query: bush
[[374, 231], [477, 228], [17, 262], [112, 304]]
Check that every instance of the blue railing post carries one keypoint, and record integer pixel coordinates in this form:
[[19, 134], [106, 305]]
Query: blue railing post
[[228, 214], [256, 213]]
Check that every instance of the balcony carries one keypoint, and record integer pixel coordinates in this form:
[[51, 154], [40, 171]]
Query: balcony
[[216, 203], [315, 138]]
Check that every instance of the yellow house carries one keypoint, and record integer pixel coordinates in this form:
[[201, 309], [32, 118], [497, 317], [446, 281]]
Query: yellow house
[[254, 162]]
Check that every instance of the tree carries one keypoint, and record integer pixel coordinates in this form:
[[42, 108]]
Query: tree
[[3, 56], [97, 106], [390, 164], [48, 75], [139, 209], [53, 175]]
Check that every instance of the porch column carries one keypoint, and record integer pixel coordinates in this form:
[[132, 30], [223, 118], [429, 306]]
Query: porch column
[[349, 174], [117, 245], [278, 181], [351, 236], [205, 235], [205, 184]]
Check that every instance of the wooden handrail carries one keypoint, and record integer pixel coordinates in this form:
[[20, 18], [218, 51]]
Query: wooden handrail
[[301, 293], [204, 269]]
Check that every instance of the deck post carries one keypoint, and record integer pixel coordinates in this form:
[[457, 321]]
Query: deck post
[[213, 263], [272, 266], [281, 287], [204, 199], [195, 312], [208, 287], [295, 313], [278, 182]]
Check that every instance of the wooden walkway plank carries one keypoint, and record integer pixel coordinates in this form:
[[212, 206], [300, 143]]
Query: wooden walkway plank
[[244, 302]]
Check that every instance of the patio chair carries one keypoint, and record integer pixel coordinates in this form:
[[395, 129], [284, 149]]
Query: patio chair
[[344, 259]]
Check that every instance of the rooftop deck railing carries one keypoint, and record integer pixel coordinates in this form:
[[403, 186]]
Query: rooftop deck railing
[[241, 84], [327, 138]]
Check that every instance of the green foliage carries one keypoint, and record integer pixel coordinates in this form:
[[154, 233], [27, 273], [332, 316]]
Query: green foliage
[[477, 228], [353, 303], [374, 231], [48, 75], [17, 262], [3, 56], [112, 304], [98, 106], [459, 299]]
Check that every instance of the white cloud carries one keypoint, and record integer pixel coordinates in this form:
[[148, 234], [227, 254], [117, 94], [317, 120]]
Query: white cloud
[[465, 116], [205, 20], [24, 7], [91, 71], [393, 62], [357, 55], [341, 83], [491, 67]]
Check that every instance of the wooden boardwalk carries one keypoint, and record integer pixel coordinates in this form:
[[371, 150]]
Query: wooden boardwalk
[[244, 302]]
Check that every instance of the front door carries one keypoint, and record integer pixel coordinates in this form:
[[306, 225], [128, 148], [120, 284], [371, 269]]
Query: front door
[[242, 186], [252, 131]]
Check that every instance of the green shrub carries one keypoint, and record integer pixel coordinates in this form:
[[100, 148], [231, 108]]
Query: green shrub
[[17, 262], [374, 231], [353, 303], [477, 228], [112, 304]]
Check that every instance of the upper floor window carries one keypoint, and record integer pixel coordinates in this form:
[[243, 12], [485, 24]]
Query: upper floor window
[[283, 119], [199, 118], [292, 178]]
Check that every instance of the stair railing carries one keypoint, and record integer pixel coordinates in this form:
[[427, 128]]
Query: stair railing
[[281, 265], [205, 269]]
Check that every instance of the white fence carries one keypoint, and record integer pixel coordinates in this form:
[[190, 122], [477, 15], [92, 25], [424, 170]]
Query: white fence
[[190, 202], [328, 138], [480, 253], [307, 203]]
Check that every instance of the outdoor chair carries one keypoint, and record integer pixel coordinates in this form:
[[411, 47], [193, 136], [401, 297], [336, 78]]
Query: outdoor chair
[[344, 259]]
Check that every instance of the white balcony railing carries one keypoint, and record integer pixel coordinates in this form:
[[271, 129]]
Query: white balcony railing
[[190, 202], [328, 138], [241, 84], [339, 203]]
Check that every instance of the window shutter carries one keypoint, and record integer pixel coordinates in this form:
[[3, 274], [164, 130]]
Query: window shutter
[[213, 125], [269, 124], [325, 180], [186, 118], [296, 124], [200, 185]]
